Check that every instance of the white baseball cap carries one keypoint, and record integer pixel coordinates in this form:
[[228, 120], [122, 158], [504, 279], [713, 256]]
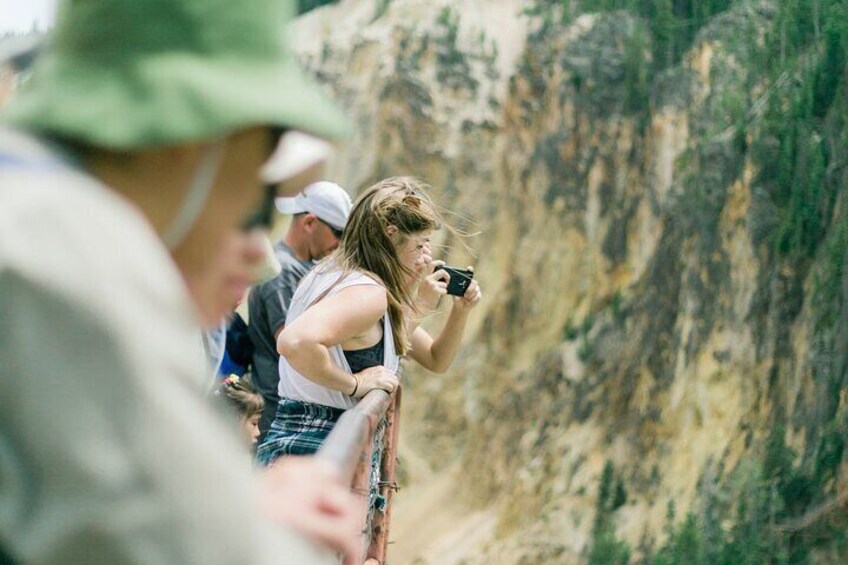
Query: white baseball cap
[[325, 199]]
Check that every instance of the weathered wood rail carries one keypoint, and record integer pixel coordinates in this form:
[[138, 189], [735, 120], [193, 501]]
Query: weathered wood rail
[[351, 447]]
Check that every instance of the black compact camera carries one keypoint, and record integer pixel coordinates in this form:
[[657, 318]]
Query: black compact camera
[[459, 281]]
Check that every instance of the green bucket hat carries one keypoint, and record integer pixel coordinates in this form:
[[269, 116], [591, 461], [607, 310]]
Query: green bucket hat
[[128, 74]]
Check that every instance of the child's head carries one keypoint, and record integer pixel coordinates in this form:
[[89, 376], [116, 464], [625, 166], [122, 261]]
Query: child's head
[[249, 403]]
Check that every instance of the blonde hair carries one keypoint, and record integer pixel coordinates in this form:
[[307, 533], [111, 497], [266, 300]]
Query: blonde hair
[[366, 246]]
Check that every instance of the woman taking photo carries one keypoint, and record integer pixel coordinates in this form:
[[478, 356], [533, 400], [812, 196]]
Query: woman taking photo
[[354, 315]]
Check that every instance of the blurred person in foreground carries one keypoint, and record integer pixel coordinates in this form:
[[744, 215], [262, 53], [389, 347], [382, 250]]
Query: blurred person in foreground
[[227, 346], [320, 216], [129, 187]]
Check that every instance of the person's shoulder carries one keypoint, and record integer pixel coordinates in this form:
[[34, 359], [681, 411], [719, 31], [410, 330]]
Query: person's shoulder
[[363, 278], [290, 275], [371, 300], [296, 267], [44, 191], [64, 230], [358, 286], [286, 255]]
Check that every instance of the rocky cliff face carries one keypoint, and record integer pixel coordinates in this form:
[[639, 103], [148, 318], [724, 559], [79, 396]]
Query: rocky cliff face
[[662, 322]]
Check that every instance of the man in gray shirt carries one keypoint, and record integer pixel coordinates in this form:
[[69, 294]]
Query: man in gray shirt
[[320, 215]]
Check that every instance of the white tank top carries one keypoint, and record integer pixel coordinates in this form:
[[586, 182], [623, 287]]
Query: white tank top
[[314, 286]]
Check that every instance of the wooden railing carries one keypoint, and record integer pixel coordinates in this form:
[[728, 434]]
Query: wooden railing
[[351, 447]]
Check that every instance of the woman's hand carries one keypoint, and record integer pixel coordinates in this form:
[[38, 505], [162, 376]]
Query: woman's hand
[[438, 354], [424, 262], [471, 298], [432, 287], [374, 378]]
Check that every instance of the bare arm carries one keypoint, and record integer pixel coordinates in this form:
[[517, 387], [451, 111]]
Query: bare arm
[[438, 354], [305, 342], [429, 290]]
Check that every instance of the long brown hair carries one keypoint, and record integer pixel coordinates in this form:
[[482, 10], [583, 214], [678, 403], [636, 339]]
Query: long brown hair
[[366, 246], [241, 395]]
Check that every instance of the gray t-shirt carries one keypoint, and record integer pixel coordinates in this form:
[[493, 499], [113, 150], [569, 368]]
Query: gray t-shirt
[[267, 307]]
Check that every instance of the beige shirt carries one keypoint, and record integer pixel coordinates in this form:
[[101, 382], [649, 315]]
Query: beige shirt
[[109, 449]]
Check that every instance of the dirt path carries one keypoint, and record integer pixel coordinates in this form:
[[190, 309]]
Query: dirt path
[[429, 526]]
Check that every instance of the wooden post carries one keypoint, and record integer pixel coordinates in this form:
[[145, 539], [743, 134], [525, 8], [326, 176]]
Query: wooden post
[[388, 464], [349, 447]]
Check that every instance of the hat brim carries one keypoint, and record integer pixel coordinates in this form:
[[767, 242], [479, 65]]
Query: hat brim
[[296, 154], [171, 99], [289, 205]]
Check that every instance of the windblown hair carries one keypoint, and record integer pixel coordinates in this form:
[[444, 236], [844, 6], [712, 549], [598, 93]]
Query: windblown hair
[[241, 395], [367, 247]]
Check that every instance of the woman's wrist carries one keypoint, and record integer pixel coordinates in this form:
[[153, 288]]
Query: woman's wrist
[[459, 309], [355, 386]]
